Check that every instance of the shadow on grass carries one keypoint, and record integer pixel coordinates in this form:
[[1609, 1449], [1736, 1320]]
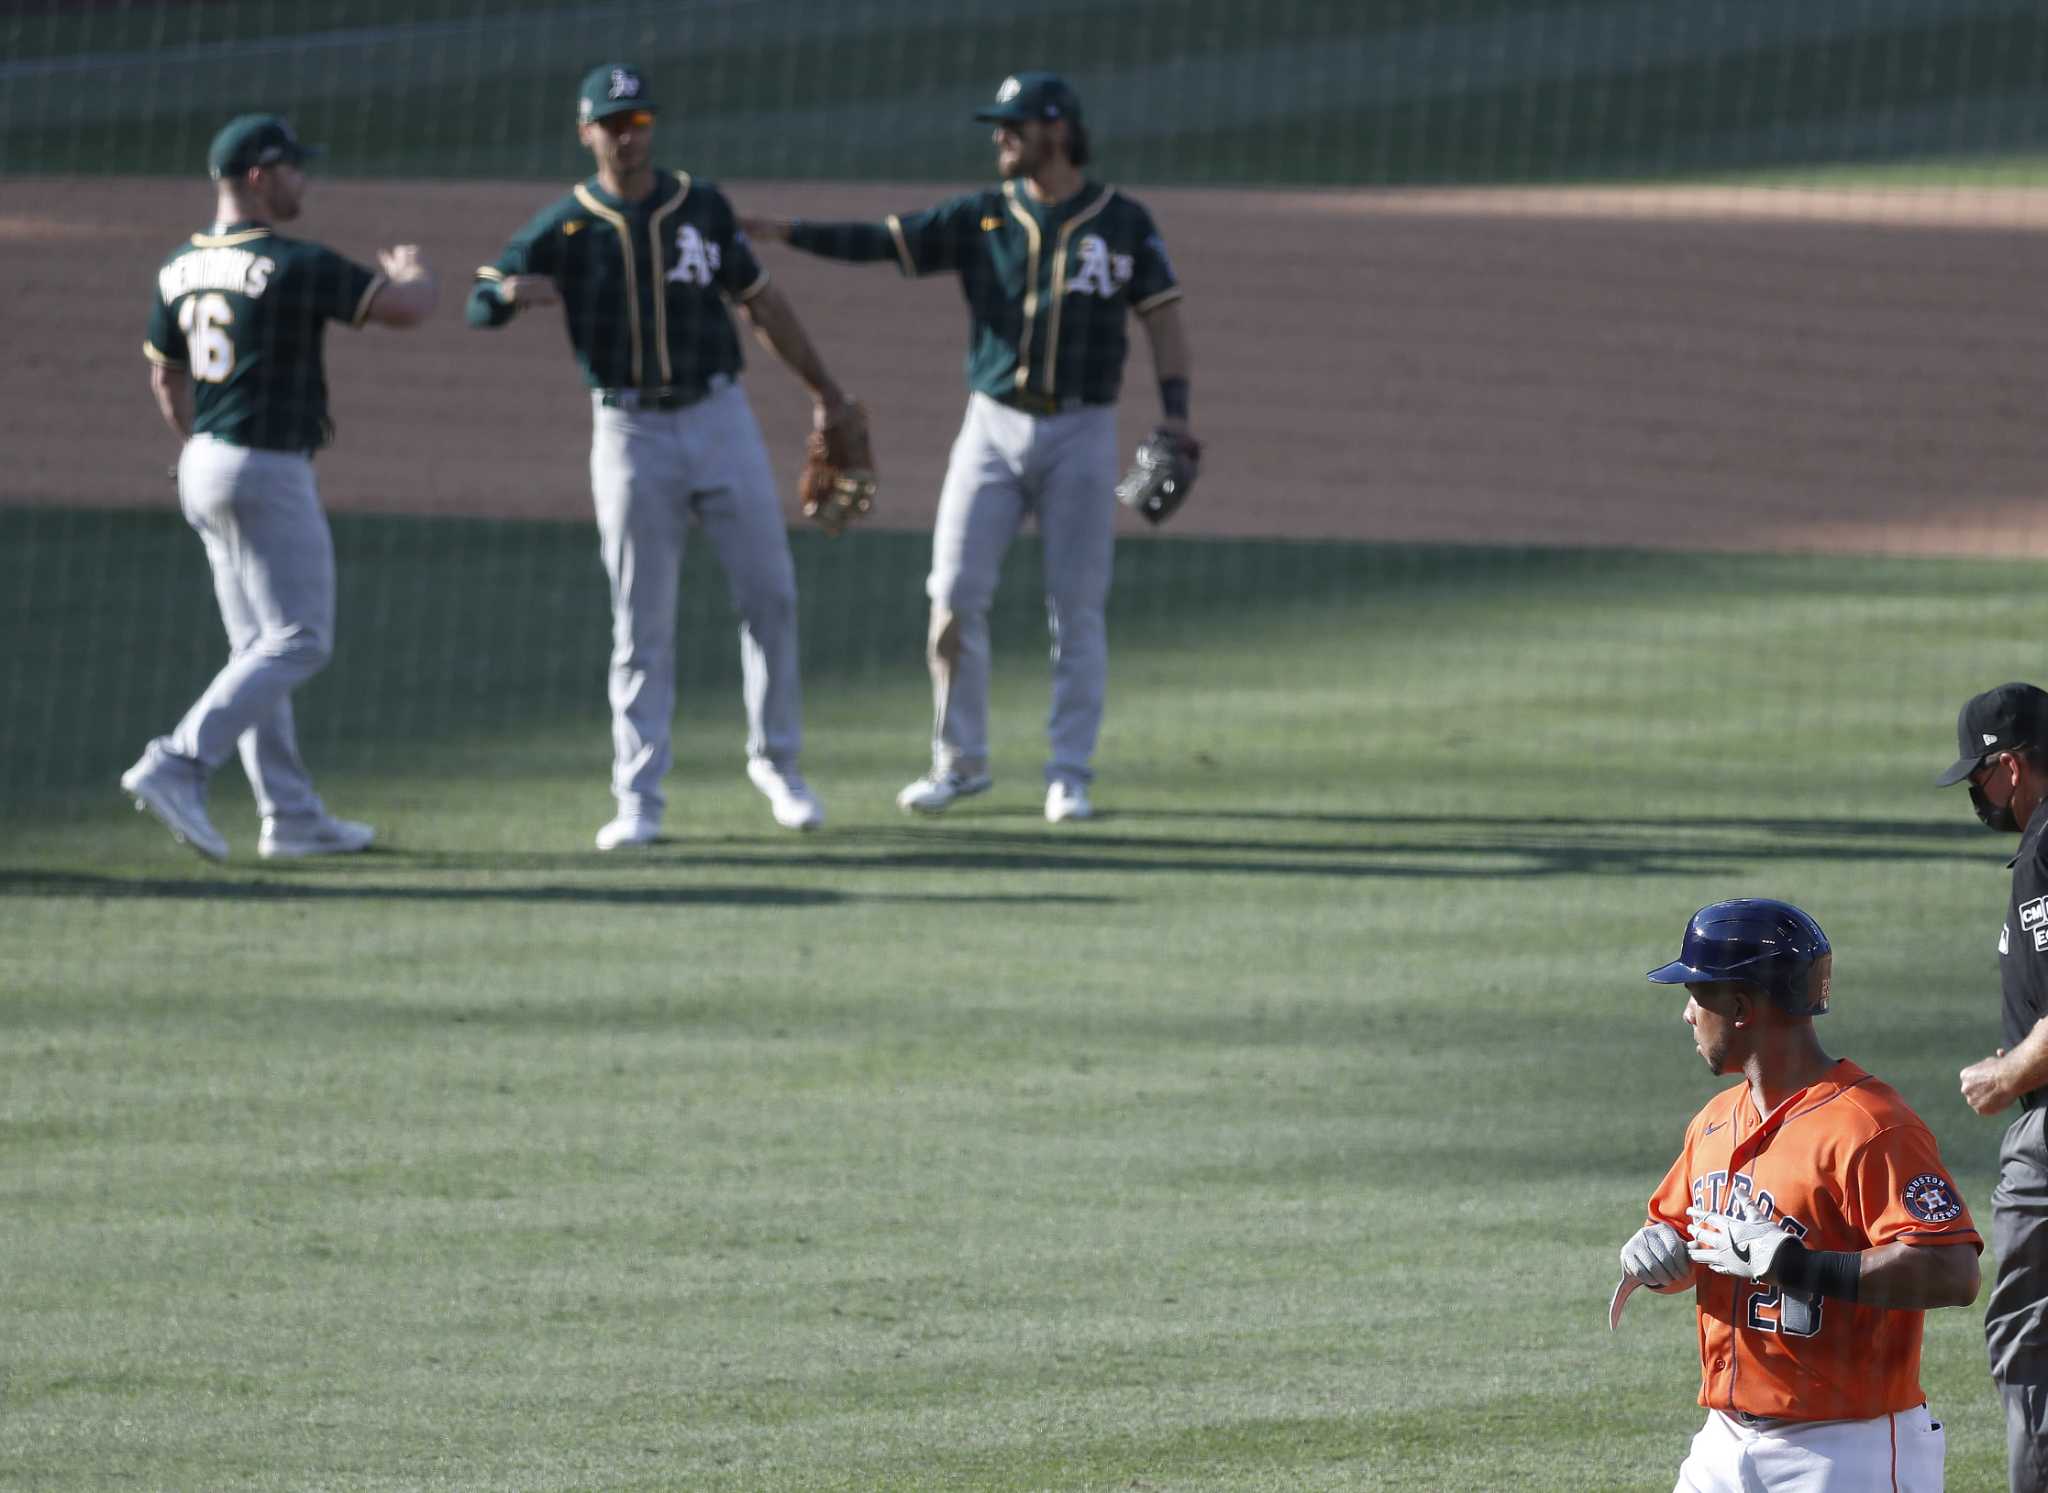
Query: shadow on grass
[[297, 889], [1419, 847], [1915, 829]]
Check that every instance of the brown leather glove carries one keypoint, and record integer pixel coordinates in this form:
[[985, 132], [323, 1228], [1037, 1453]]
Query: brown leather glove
[[837, 484]]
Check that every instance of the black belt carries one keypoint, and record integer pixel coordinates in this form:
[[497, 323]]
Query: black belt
[[2034, 1099], [1039, 404], [673, 397]]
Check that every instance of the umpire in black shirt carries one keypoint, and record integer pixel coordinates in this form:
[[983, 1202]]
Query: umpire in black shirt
[[2002, 741]]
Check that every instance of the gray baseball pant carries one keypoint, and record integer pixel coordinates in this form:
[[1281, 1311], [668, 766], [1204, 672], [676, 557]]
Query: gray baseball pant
[[258, 513], [2016, 1316], [1006, 464], [650, 472]]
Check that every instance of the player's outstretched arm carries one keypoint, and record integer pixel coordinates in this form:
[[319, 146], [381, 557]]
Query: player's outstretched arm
[[857, 243], [496, 298], [776, 326], [410, 290]]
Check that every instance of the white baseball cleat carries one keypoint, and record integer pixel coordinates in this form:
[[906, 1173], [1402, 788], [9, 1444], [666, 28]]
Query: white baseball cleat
[[789, 796], [285, 839], [628, 831], [935, 791], [176, 794], [1064, 801]]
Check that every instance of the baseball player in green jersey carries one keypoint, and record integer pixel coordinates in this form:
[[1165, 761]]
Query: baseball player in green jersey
[[235, 338], [1050, 262], [643, 263]]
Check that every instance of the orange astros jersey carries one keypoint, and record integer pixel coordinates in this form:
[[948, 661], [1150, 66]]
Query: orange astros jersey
[[1843, 1164]]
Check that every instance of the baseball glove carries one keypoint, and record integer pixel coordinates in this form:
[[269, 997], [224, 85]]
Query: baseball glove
[[837, 484], [1161, 475]]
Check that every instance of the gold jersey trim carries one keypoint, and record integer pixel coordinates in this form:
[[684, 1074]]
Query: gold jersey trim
[[753, 290], [1018, 212], [494, 277], [377, 283], [228, 240], [895, 225], [654, 221], [1154, 302], [618, 222], [1059, 284], [159, 357]]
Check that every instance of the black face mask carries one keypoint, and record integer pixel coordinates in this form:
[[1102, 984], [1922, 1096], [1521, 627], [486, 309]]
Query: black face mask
[[1995, 816]]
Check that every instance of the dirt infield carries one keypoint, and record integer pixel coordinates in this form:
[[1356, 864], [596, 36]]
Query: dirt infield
[[1702, 368]]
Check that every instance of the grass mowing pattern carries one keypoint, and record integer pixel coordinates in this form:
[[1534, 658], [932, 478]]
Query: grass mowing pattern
[[1275, 1131]]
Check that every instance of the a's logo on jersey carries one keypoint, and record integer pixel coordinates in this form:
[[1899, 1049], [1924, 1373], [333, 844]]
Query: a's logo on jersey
[[625, 83], [697, 258], [1929, 1198], [1010, 89], [1102, 273]]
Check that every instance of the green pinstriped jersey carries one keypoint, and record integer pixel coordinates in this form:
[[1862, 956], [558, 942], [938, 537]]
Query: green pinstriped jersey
[[644, 284], [1047, 284], [244, 311]]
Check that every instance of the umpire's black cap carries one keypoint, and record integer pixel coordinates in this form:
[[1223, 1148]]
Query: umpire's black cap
[[2006, 719]]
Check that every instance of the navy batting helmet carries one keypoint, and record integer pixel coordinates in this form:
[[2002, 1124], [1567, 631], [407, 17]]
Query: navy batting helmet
[[1771, 945]]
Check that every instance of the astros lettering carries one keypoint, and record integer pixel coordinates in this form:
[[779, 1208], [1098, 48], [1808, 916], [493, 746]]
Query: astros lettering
[[237, 270]]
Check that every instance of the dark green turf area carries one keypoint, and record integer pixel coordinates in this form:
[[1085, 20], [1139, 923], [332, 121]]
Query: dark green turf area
[[1274, 1131], [1188, 91]]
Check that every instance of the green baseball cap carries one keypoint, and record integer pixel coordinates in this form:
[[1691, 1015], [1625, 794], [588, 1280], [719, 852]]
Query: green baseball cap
[[613, 88], [1032, 96], [251, 140]]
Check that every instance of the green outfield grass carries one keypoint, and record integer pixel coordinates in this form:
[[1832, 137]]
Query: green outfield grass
[[1275, 1131]]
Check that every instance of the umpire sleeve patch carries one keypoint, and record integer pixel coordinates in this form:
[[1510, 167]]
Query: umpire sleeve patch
[[1930, 1198], [2034, 922]]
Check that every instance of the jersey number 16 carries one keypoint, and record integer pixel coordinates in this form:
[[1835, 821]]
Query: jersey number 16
[[205, 319]]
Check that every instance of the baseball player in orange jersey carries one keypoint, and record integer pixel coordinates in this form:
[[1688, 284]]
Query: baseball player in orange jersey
[[1810, 1214]]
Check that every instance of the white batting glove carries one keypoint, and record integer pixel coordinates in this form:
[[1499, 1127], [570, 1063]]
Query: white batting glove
[[1656, 1256], [1736, 1243]]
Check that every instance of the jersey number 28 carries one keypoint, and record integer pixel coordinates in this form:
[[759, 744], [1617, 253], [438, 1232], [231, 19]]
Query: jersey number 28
[[1796, 1316], [205, 319]]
